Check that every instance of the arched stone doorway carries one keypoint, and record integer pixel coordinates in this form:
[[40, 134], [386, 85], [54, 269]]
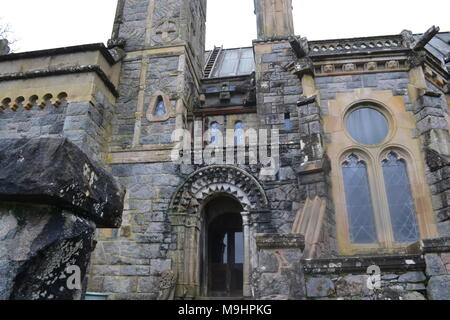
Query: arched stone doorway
[[189, 214], [223, 248]]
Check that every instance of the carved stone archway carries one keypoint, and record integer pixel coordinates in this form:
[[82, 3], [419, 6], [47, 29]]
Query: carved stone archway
[[186, 219]]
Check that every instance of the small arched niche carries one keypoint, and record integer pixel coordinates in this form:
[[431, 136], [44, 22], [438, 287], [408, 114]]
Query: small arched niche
[[160, 108]]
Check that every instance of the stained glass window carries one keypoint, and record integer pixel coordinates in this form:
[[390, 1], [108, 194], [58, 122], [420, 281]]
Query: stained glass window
[[160, 108], [359, 201], [401, 203], [367, 126]]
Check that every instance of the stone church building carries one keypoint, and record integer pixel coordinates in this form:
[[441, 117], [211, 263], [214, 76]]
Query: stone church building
[[354, 202]]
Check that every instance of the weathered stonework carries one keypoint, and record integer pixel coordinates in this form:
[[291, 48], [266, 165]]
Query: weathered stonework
[[120, 106], [51, 199]]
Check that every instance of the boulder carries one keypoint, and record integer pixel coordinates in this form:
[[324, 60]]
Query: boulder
[[52, 198]]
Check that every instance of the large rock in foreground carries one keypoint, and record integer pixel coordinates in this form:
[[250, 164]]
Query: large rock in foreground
[[54, 171], [52, 197]]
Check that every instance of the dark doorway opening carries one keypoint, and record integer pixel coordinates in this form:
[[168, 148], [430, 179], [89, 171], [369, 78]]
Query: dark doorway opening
[[224, 251]]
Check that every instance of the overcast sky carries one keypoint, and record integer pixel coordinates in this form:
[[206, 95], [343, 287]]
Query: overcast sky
[[43, 24]]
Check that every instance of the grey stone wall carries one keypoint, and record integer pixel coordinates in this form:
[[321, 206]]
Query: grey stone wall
[[89, 126], [129, 264], [431, 110], [32, 123], [277, 93]]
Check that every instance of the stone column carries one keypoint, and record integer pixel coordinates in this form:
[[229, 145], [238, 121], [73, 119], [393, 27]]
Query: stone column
[[247, 254], [52, 198], [278, 274]]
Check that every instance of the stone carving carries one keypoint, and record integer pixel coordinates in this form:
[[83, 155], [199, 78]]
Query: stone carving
[[407, 38], [165, 32], [426, 38], [371, 66], [218, 179], [393, 64], [329, 68], [349, 67], [249, 90], [300, 46], [302, 67], [34, 102], [167, 285], [417, 59], [332, 47]]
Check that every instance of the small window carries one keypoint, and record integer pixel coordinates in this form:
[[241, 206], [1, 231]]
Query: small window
[[287, 122], [215, 130], [239, 139], [160, 109], [367, 126]]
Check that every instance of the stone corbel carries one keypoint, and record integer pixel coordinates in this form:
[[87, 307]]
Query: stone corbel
[[417, 59], [116, 49], [299, 46], [301, 67]]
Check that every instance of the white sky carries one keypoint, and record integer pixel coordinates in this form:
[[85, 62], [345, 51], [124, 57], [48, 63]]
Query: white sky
[[44, 24]]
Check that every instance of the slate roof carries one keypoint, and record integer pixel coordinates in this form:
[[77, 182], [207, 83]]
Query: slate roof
[[240, 61]]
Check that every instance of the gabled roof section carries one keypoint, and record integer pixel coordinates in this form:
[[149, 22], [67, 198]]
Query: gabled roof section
[[439, 47], [223, 63]]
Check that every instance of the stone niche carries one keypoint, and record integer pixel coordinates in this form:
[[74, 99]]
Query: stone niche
[[52, 199], [279, 274]]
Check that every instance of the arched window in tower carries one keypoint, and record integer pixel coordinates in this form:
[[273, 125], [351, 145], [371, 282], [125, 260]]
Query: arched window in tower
[[401, 204], [160, 109], [239, 134], [215, 133], [359, 201]]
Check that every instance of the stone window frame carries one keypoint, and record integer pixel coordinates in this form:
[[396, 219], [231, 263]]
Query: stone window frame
[[153, 104], [400, 140]]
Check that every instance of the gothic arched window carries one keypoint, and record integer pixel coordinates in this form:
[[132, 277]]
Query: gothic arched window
[[359, 201], [239, 134], [380, 193], [400, 200], [215, 133], [160, 108]]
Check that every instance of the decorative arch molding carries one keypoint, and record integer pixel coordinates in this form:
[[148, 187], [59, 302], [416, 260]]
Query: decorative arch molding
[[211, 180], [185, 213]]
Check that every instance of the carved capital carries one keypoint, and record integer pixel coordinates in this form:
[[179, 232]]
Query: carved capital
[[417, 59]]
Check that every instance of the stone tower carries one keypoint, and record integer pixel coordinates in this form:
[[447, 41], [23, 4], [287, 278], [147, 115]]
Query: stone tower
[[274, 19], [165, 43]]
